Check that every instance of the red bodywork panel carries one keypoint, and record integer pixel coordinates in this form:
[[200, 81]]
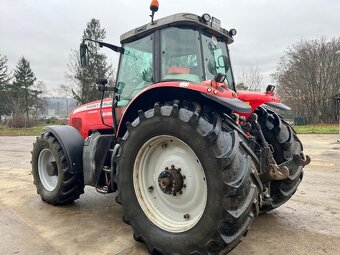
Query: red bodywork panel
[[255, 99], [86, 118]]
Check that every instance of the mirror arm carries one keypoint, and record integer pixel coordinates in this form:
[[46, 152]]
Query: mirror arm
[[107, 45], [112, 47]]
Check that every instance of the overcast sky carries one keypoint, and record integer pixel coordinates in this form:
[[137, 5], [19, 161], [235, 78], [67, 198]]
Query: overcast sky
[[45, 31]]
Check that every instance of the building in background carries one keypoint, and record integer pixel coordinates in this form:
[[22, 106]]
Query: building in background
[[57, 107]]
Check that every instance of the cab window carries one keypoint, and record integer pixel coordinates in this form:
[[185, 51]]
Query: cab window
[[216, 58], [136, 68], [180, 55]]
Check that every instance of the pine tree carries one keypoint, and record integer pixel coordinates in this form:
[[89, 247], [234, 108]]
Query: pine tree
[[4, 80], [85, 77], [22, 90]]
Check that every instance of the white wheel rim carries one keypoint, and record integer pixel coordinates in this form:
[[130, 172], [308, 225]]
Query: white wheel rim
[[171, 213], [49, 182]]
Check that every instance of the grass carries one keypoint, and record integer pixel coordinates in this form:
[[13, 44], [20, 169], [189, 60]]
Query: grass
[[318, 129], [32, 131], [37, 130]]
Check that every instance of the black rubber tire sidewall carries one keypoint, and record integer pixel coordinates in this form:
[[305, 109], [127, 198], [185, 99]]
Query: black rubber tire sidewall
[[293, 146], [69, 186], [214, 211], [45, 143]]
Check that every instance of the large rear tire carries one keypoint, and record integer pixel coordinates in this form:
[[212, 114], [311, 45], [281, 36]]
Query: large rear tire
[[179, 149], [55, 184], [286, 144]]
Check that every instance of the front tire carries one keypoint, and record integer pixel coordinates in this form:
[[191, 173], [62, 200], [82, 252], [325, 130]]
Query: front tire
[[208, 199], [55, 184]]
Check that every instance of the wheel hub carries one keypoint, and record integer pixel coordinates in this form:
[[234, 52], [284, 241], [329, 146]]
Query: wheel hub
[[52, 168], [47, 169], [170, 184], [170, 180]]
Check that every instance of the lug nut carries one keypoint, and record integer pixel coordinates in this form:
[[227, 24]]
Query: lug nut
[[184, 185], [151, 188], [164, 145], [180, 192], [179, 169], [172, 166], [186, 216], [184, 177]]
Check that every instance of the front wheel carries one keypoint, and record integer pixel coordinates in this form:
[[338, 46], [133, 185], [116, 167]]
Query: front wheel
[[185, 184], [50, 170]]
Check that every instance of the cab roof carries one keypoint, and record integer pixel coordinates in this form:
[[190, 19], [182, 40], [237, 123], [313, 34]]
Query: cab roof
[[174, 20]]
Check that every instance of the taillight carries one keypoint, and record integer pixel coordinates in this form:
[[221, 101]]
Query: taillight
[[77, 124]]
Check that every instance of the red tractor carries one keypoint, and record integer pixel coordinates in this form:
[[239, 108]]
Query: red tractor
[[192, 160]]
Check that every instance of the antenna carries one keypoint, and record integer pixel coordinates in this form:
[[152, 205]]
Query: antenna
[[154, 8]]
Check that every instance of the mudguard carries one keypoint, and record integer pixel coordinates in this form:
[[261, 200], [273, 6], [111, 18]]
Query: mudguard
[[72, 144], [279, 106], [256, 99], [167, 91], [96, 147], [232, 103]]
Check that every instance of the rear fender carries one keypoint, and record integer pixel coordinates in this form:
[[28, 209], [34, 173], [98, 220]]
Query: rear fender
[[147, 98], [72, 144], [278, 105]]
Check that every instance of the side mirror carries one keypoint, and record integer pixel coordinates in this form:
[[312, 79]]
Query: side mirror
[[120, 86], [147, 75], [212, 67], [270, 89], [220, 77], [84, 57], [101, 81], [222, 62]]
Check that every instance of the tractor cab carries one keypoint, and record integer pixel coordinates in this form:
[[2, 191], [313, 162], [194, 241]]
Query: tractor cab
[[182, 47]]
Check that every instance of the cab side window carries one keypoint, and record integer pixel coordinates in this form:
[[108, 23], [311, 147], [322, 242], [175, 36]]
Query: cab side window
[[136, 68]]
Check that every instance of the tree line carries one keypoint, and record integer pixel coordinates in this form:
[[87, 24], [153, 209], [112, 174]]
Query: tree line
[[20, 93], [308, 78]]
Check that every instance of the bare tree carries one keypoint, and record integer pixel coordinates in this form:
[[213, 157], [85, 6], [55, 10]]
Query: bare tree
[[250, 79], [308, 76], [241, 86], [39, 103], [63, 90]]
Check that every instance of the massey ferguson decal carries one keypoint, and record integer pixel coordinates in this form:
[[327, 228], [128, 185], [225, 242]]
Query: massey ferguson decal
[[93, 106]]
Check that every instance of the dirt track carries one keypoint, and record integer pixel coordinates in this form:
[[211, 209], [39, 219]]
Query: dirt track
[[308, 224]]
